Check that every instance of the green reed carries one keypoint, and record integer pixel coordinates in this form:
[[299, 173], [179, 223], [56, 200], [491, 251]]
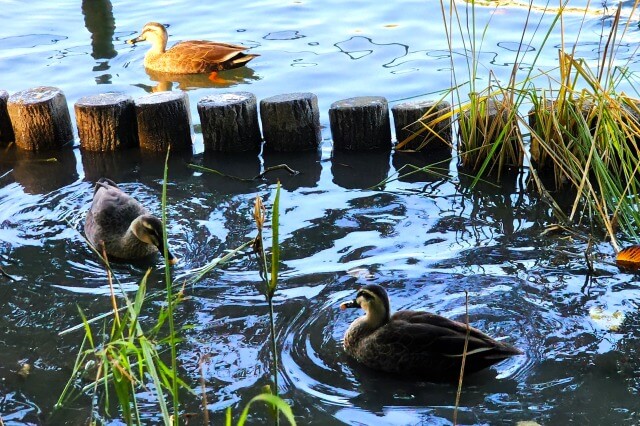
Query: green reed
[[128, 355], [268, 273], [581, 129]]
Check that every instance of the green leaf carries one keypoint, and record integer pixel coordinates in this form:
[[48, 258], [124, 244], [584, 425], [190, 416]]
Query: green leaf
[[228, 420], [275, 248], [276, 401]]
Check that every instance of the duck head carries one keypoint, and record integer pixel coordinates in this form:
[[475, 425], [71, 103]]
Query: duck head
[[148, 229], [155, 33], [373, 299]]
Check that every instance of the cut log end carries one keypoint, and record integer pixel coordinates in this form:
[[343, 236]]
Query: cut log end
[[40, 119]]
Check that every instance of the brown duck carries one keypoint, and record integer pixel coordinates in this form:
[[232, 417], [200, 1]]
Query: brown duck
[[414, 343], [122, 225], [189, 57]]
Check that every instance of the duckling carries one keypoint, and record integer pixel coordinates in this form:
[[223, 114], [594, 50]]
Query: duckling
[[414, 343], [189, 57], [123, 225]]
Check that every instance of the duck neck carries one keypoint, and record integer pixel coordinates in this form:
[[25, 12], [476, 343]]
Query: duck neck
[[158, 46], [376, 318], [363, 327], [134, 245]]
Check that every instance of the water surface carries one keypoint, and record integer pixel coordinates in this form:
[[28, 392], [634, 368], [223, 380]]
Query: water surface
[[428, 239]]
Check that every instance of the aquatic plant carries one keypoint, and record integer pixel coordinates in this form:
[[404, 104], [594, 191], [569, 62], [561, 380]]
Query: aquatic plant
[[582, 130], [269, 274], [273, 400], [130, 357]]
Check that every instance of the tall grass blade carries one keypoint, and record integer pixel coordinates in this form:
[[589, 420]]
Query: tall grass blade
[[275, 247]]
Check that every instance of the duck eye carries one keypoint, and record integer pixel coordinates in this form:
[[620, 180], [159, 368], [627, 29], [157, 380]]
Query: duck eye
[[368, 296]]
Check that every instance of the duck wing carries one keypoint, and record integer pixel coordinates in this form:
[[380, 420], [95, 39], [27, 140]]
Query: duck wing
[[200, 56], [435, 334], [111, 212]]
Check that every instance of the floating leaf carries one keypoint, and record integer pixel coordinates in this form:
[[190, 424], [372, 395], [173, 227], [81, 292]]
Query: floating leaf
[[608, 320], [629, 257], [25, 370]]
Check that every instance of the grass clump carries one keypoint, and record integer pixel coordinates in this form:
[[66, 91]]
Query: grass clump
[[123, 360], [582, 130]]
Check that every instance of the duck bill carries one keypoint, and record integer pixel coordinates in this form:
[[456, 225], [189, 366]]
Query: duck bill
[[350, 304], [170, 257], [135, 40]]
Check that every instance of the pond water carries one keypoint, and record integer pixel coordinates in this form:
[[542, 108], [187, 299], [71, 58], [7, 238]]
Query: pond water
[[428, 239]]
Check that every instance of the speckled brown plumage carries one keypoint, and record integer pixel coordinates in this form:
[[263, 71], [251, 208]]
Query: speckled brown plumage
[[189, 57], [417, 344], [121, 224]]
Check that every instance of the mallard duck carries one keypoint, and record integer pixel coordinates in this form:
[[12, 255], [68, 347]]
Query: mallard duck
[[189, 57], [120, 223], [414, 343]]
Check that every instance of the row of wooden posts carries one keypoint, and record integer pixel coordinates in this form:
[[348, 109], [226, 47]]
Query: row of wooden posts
[[38, 119]]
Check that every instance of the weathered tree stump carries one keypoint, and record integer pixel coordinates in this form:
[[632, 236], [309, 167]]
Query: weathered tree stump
[[163, 119], [6, 131], [291, 122], [230, 122], [40, 119], [360, 123], [417, 129], [106, 122]]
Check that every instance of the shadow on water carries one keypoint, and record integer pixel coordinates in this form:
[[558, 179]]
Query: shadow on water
[[307, 164], [119, 166], [232, 166], [99, 20], [359, 170], [223, 79], [435, 166], [41, 173]]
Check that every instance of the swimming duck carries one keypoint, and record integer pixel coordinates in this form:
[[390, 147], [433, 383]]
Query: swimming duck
[[122, 224], [189, 57], [419, 344]]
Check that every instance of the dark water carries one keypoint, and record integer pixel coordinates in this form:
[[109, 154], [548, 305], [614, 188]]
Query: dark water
[[428, 239]]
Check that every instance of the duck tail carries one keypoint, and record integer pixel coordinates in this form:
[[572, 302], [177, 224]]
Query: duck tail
[[503, 351], [104, 183]]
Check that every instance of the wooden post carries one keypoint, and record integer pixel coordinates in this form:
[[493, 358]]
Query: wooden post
[[360, 123], [6, 131], [415, 127], [291, 122], [40, 119], [106, 122], [230, 122], [163, 119]]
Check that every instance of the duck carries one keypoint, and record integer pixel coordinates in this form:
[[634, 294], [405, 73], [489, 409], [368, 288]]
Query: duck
[[123, 226], [416, 344], [191, 56]]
